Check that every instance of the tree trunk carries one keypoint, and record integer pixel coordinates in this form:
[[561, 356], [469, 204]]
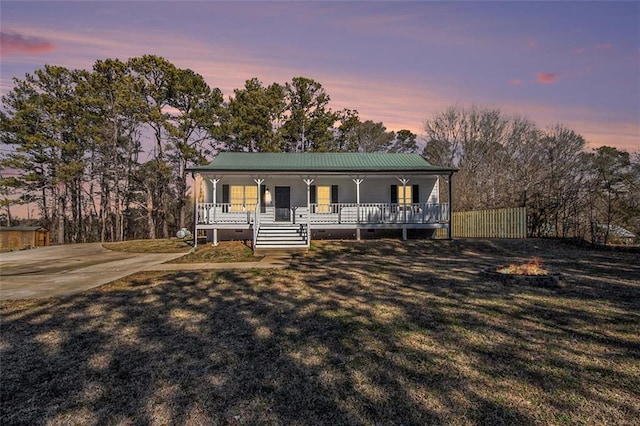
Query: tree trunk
[[151, 223], [8, 214], [181, 192], [609, 216], [61, 204], [104, 203], [165, 223], [116, 182]]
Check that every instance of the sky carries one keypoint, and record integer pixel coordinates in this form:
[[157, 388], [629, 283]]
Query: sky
[[572, 63]]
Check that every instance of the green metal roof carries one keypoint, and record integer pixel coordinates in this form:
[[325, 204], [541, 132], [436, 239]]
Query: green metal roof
[[319, 162]]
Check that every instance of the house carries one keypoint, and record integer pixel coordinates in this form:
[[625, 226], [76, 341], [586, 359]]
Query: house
[[282, 200], [616, 235], [19, 237]]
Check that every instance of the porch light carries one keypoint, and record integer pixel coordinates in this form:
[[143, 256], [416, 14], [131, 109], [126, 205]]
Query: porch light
[[267, 196]]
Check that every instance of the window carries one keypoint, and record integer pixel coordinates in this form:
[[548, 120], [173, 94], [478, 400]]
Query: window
[[404, 195], [324, 198], [251, 197], [243, 198], [409, 194], [237, 198]]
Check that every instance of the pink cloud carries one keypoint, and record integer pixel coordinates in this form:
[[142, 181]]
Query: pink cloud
[[13, 42], [598, 46], [532, 43], [546, 77], [516, 82], [602, 46]]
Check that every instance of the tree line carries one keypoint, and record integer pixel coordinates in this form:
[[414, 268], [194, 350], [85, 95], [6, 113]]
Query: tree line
[[103, 153], [507, 161], [77, 141]]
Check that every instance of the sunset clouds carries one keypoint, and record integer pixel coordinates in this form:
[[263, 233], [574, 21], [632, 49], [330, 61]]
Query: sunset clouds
[[546, 77], [602, 46], [540, 78], [394, 62], [15, 43], [595, 47]]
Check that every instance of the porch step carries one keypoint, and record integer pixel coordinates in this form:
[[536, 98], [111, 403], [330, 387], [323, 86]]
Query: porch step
[[271, 236]]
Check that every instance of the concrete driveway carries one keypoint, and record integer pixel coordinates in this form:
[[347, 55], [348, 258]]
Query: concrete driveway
[[67, 269]]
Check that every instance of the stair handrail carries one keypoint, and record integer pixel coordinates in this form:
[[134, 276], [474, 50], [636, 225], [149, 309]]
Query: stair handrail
[[308, 233]]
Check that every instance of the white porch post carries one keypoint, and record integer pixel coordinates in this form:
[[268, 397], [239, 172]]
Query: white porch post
[[214, 181], [357, 181], [404, 205], [308, 181], [256, 218], [195, 211], [258, 182]]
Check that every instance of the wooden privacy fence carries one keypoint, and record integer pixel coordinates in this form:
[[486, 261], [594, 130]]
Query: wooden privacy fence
[[495, 223]]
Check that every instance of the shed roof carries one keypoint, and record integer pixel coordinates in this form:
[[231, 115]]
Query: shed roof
[[320, 162], [619, 231]]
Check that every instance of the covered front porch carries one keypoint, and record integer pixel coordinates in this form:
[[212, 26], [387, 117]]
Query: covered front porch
[[284, 199], [289, 209]]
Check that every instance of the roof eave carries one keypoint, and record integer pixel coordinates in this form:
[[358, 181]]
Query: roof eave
[[327, 172]]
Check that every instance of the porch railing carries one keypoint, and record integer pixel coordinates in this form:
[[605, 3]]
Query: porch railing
[[371, 213], [333, 213], [225, 213]]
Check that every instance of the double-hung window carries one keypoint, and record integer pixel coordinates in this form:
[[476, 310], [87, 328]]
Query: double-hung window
[[324, 197], [243, 198], [404, 195], [401, 195]]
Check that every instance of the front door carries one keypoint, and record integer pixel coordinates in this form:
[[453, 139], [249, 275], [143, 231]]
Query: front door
[[283, 203]]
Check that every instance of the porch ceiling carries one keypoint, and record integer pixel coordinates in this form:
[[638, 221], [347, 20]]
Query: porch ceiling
[[321, 163]]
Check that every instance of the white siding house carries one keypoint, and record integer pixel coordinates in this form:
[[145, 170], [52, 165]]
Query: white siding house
[[287, 199]]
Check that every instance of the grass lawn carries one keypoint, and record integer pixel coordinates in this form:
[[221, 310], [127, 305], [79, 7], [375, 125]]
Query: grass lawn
[[376, 332], [226, 251], [160, 245]]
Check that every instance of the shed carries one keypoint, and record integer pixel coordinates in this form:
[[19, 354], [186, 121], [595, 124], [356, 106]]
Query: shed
[[619, 235], [19, 237]]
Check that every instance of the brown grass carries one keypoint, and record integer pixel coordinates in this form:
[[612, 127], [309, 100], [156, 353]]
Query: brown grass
[[380, 332], [160, 245], [226, 251]]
